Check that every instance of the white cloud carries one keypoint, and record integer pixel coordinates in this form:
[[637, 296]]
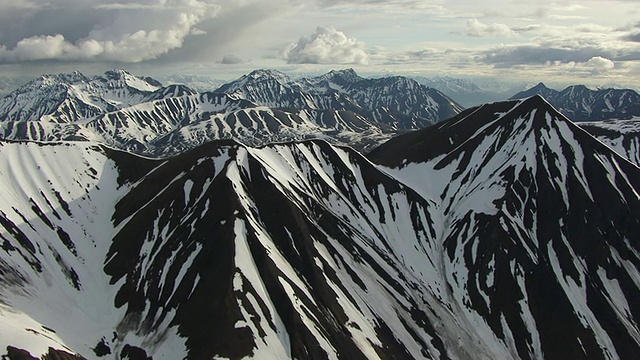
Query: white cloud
[[139, 31], [326, 46], [600, 64], [477, 29]]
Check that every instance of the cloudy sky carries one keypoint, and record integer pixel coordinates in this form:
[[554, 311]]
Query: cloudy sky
[[581, 41]]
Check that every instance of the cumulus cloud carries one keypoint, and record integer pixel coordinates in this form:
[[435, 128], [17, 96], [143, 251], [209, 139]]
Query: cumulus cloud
[[326, 46], [476, 28], [130, 32], [600, 64]]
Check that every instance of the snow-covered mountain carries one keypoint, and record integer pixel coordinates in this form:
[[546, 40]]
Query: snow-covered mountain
[[173, 124], [397, 101], [506, 232], [473, 92], [140, 115], [66, 98], [539, 225], [581, 103], [463, 91]]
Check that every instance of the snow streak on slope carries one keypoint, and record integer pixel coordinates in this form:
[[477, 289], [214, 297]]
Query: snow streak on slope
[[398, 102], [55, 229], [172, 125], [297, 251], [539, 223], [623, 136]]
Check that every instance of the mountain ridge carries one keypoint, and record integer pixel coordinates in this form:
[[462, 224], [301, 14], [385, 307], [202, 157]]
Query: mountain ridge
[[138, 114], [581, 103], [385, 100]]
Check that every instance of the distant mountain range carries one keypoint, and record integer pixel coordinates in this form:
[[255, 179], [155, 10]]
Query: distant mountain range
[[470, 93], [580, 103], [396, 101], [140, 115], [199, 83], [505, 232]]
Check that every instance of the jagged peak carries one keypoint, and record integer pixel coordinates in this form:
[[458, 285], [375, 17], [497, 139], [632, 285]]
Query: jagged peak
[[117, 74], [54, 79], [540, 86], [345, 74], [137, 82], [266, 73]]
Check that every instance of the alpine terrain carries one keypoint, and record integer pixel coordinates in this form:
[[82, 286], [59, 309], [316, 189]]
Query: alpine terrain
[[623, 136], [580, 103], [139, 115], [506, 232]]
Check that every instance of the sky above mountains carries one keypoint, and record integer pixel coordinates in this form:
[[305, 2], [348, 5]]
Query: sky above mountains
[[586, 41]]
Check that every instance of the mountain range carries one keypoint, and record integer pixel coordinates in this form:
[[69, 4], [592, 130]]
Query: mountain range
[[140, 220], [505, 232], [580, 103], [140, 115], [470, 93]]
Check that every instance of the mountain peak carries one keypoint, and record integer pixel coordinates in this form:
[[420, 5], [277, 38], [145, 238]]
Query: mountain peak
[[540, 89], [540, 85], [56, 79], [579, 87], [267, 73], [526, 115], [117, 74], [128, 79], [345, 75]]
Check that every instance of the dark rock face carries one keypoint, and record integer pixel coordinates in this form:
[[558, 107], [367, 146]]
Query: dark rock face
[[52, 354]]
